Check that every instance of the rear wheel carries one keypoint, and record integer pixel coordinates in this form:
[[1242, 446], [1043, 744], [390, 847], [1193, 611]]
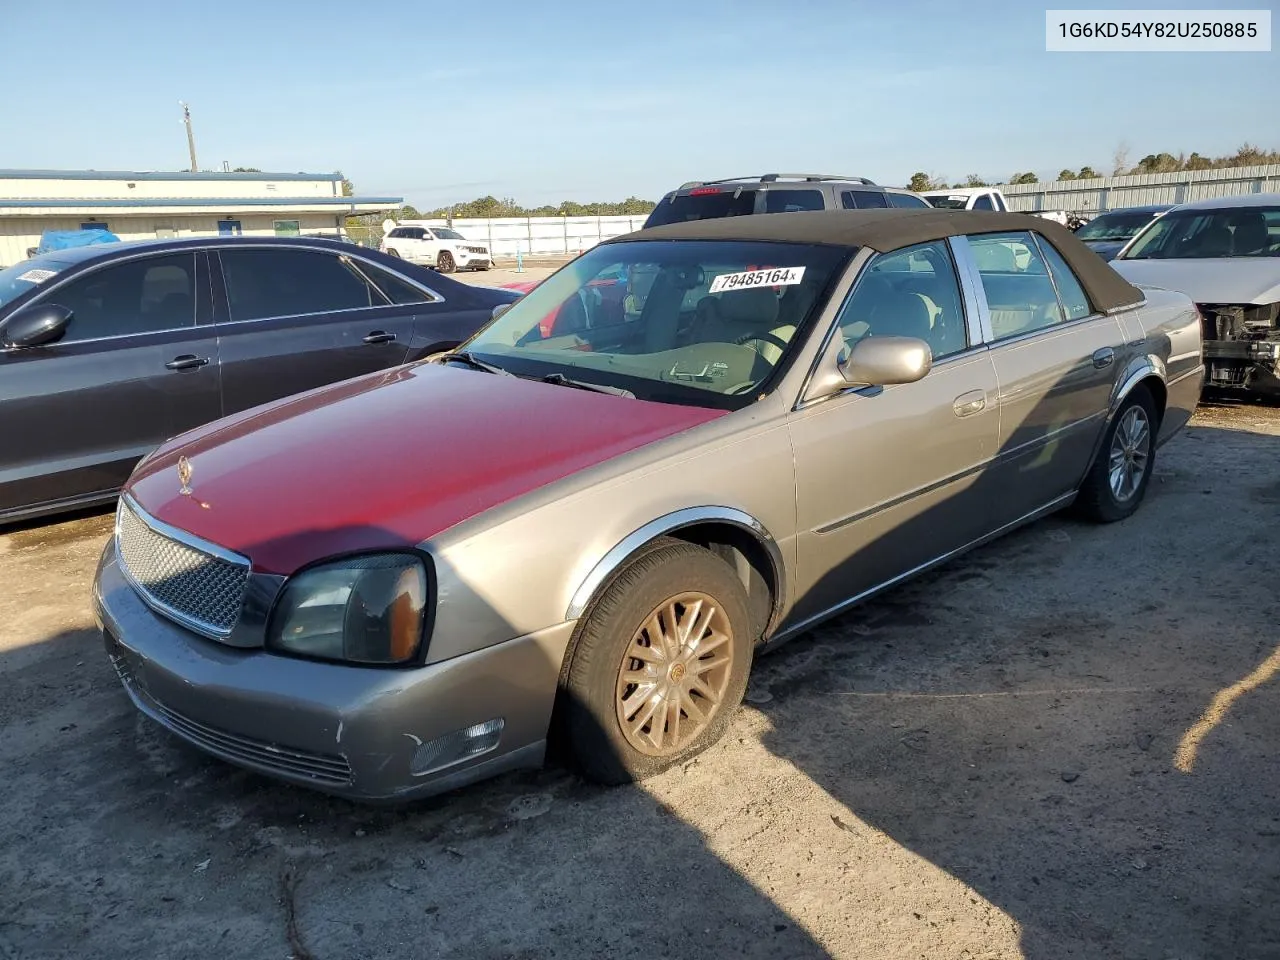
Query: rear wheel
[[660, 667], [444, 263], [1117, 481]]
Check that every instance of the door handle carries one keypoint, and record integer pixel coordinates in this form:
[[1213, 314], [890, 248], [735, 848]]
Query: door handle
[[1103, 357], [379, 336], [967, 404], [188, 361]]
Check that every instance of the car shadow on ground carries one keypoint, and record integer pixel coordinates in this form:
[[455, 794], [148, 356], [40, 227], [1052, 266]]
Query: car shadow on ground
[[131, 842], [1096, 761]]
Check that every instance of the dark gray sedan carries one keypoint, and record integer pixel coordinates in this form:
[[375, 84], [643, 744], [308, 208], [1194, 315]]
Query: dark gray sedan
[[107, 351]]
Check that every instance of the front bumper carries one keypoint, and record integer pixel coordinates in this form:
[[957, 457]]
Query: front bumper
[[345, 730], [471, 261]]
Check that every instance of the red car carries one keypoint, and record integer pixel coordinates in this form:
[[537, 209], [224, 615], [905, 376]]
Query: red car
[[602, 300]]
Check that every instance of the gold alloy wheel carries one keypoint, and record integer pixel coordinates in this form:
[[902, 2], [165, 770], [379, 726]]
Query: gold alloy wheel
[[674, 673]]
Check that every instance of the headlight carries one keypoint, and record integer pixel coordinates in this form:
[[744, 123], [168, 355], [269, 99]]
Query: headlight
[[367, 609]]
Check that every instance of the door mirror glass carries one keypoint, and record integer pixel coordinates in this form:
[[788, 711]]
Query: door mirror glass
[[35, 326], [882, 361]]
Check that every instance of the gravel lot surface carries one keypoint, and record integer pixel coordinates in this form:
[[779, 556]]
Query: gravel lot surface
[[1062, 745]]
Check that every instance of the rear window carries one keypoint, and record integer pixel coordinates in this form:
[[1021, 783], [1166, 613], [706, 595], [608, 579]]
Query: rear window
[[703, 206], [949, 203]]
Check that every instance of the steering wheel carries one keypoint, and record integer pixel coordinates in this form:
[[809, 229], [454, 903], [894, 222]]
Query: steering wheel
[[765, 337]]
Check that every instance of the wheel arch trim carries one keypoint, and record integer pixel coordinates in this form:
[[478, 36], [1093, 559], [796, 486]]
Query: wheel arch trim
[[1144, 367], [616, 557]]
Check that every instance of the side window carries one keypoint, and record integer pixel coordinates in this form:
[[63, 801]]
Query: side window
[[138, 296], [278, 283], [907, 200], [398, 290], [1016, 281], [396, 233], [792, 201], [862, 199], [1074, 301], [912, 292], [983, 203], [1000, 204]]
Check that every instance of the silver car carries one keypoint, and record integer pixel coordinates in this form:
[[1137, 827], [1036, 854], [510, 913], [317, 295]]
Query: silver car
[[1225, 254], [584, 523]]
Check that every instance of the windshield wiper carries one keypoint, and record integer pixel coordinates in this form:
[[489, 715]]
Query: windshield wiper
[[471, 361], [561, 380]]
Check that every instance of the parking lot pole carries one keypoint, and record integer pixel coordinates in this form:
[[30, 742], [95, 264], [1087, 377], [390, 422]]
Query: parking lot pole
[[519, 260]]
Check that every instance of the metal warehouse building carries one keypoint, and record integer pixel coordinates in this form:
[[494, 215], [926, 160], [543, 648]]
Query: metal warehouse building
[[137, 206]]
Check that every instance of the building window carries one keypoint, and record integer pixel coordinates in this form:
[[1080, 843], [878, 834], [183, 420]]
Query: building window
[[93, 225], [287, 228], [229, 228]]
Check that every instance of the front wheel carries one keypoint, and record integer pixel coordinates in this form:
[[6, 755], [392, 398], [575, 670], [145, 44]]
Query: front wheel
[[445, 262], [393, 253], [1117, 481], [660, 667]]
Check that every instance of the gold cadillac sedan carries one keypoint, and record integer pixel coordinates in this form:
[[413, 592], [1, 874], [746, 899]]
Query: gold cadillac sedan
[[690, 443]]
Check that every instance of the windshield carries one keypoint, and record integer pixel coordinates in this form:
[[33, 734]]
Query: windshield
[[949, 203], [1209, 234], [443, 233], [703, 206], [1114, 226], [21, 277], [700, 322]]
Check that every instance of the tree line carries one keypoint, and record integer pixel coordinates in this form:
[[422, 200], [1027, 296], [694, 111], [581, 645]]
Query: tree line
[[1247, 155], [492, 207]]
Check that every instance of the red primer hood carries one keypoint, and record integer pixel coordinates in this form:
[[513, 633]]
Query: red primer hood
[[387, 460]]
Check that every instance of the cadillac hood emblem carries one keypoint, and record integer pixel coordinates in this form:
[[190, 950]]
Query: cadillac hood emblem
[[184, 475]]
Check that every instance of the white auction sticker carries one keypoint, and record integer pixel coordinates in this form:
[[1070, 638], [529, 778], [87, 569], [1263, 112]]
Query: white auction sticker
[[37, 276], [773, 277]]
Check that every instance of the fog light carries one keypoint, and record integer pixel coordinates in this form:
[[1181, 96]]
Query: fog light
[[455, 747]]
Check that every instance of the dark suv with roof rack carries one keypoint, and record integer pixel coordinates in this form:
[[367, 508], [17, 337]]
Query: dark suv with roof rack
[[777, 193]]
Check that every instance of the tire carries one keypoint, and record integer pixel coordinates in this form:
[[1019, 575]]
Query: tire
[[393, 253], [620, 622], [444, 262], [1100, 499]]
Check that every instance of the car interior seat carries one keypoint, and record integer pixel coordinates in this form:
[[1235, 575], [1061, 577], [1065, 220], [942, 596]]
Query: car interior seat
[[1250, 236], [1214, 242], [728, 317]]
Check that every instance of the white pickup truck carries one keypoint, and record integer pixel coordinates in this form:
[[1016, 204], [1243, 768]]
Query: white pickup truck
[[967, 198]]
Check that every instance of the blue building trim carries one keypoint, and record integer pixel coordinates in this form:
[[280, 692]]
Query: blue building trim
[[160, 175], [212, 203]]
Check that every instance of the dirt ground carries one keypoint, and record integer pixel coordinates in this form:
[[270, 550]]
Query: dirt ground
[[1062, 745]]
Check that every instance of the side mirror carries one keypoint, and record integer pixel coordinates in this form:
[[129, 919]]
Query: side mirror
[[35, 326], [500, 309], [882, 361]]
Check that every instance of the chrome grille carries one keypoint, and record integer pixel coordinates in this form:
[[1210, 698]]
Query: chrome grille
[[202, 589]]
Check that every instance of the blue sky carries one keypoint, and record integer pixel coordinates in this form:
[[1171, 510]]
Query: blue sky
[[544, 101]]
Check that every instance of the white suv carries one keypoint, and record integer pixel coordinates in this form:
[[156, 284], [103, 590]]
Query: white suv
[[439, 247]]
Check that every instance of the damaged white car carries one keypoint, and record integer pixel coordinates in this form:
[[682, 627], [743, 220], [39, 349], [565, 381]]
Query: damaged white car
[[1225, 254]]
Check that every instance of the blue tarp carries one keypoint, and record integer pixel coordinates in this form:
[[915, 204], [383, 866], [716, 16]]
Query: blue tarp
[[65, 239]]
